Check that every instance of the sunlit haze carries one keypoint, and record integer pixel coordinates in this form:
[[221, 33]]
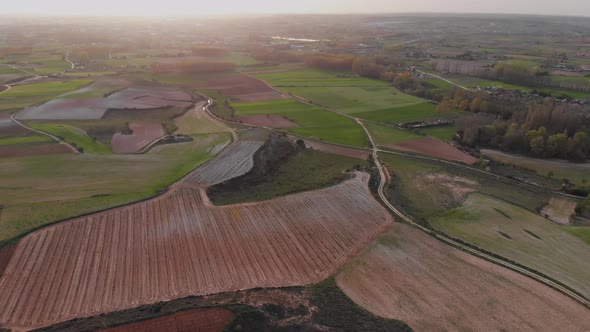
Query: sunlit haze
[[221, 7]]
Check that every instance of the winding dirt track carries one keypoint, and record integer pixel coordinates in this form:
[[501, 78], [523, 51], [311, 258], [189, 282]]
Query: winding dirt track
[[179, 244]]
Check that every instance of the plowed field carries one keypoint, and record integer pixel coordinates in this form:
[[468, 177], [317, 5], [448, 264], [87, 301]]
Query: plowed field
[[196, 320], [410, 276], [433, 147], [6, 253], [232, 162], [241, 88], [178, 245]]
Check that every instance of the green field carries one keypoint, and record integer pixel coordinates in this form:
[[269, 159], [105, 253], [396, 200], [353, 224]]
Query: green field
[[21, 96], [75, 136], [308, 170], [23, 140], [313, 121], [414, 112], [305, 77], [354, 100], [39, 190], [574, 172], [384, 135], [444, 133], [520, 235]]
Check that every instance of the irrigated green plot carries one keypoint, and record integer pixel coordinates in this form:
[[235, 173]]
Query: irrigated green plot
[[35, 191], [313, 121], [522, 236], [414, 112], [384, 135]]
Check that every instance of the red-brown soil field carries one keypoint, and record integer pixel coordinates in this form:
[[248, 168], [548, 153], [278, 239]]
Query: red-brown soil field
[[33, 150], [241, 88], [433, 147], [178, 245], [143, 134], [411, 276], [233, 161], [6, 253], [195, 320], [268, 120], [334, 149]]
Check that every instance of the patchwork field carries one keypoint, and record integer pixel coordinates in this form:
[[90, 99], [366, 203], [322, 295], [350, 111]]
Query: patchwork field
[[70, 108], [143, 134], [195, 320], [361, 97], [312, 121], [38, 190], [410, 276], [522, 236], [73, 135], [21, 96], [169, 247], [196, 121], [240, 88]]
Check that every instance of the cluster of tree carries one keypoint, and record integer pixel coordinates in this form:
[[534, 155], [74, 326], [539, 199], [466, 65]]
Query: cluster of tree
[[547, 130], [465, 100], [522, 75], [330, 61], [192, 67], [209, 51]]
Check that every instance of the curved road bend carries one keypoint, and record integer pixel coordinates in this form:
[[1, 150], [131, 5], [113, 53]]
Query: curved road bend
[[444, 238]]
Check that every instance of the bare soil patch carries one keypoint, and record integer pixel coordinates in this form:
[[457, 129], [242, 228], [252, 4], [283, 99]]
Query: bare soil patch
[[433, 147], [268, 120], [143, 134], [179, 245], [195, 320], [33, 150], [559, 210], [410, 276], [458, 187]]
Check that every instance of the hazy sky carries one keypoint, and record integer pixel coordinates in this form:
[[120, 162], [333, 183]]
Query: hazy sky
[[199, 7]]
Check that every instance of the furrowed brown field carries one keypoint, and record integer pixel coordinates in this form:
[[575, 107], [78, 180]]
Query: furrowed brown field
[[433, 147], [143, 134], [411, 276], [178, 245], [196, 320]]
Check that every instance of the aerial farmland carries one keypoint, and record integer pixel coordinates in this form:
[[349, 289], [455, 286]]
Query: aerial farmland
[[391, 172]]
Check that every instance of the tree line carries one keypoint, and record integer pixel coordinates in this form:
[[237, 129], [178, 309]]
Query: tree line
[[541, 127]]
